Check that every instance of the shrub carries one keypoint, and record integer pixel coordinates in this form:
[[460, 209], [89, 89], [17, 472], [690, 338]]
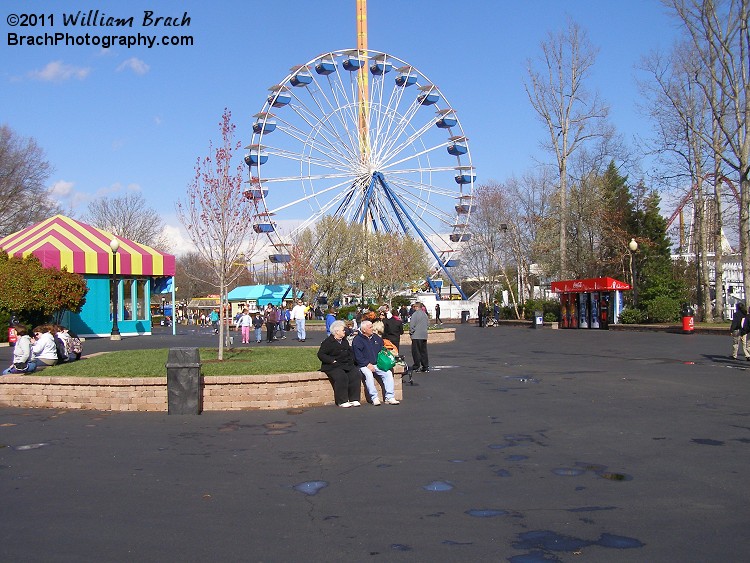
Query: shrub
[[631, 316], [550, 317], [663, 310], [548, 306]]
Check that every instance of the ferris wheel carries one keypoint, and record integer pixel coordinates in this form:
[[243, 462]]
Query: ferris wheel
[[364, 136]]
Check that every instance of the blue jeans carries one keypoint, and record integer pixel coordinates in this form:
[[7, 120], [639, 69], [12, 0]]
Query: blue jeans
[[259, 334], [385, 376], [300, 329], [30, 367]]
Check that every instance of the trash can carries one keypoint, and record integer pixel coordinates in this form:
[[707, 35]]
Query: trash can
[[688, 319], [464, 317], [538, 319], [184, 395]]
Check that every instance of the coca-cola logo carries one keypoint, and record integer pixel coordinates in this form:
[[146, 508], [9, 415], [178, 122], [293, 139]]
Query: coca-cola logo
[[577, 285]]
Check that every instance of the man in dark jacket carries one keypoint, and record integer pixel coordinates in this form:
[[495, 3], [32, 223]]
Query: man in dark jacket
[[739, 329], [366, 346]]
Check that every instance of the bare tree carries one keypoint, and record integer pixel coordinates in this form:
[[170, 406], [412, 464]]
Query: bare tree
[[720, 34], [130, 217], [218, 217], [572, 116], [194, 277], [24, 169]]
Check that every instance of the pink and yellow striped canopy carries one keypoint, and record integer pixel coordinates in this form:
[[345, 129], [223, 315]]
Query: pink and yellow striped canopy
[[64, 242]]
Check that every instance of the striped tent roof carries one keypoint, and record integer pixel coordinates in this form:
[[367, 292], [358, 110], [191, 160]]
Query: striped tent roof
[[61, 241]]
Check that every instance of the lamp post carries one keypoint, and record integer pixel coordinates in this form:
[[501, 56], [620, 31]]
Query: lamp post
[[362, 281], [114, 244], [633, 246]]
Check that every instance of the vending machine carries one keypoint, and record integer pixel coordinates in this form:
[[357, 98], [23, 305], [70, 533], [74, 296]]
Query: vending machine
[[604, 312], [583, 310], [573, 310], [595, 309], [564, 319]]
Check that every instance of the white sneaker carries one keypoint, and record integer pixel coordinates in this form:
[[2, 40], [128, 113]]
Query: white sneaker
[[392, 401], [354, 403], [376, 402], [345, 405]]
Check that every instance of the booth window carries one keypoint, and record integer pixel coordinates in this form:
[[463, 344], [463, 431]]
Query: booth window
[[142, 309]]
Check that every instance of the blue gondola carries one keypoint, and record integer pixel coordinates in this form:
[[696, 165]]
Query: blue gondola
[[279, 258], [380, 65], [465, 175], [264, 228], [463, 208], [301, 77], [255, 193], [256, 156], [256, 190], [457, 146], [325, 66], [446, 119], [455, 262], [429, 95], [279, 96], [406, 77], [460, 237], [266, 122], [352, 61]]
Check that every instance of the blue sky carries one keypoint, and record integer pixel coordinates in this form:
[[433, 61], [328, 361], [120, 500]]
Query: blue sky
[[137, 119]]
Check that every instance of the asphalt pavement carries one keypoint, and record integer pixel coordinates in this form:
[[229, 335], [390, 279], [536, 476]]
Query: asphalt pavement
[[520, 445]]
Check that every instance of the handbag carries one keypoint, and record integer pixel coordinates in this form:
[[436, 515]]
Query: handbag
[[386, 360]]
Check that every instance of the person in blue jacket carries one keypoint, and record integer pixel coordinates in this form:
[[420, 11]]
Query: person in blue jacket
[[330, 318], [366, 346]]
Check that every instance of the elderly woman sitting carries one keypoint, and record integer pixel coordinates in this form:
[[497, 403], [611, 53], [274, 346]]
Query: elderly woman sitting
[[338, 364]]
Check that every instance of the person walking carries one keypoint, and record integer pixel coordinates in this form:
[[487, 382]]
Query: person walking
[[437, 314], [418, 323], [214, 319], [258, 326], [244, 322], [739, 329], [270, 318], [299, 315]]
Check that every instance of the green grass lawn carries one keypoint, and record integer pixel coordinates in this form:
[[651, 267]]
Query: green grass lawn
[[151, 363]]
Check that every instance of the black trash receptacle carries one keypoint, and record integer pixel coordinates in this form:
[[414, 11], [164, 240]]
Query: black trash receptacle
[[464, 317], [184, 393], [538, 319]]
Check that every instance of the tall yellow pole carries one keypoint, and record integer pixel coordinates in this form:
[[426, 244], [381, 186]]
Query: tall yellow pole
[[363, 89]]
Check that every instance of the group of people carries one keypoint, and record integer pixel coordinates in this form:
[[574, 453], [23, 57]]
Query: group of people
[[47, 345], [348, 364], [484, 312], [277, 321]]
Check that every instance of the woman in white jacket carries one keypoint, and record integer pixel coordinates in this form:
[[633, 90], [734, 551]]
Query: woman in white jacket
[[21, 353], [44, 349]]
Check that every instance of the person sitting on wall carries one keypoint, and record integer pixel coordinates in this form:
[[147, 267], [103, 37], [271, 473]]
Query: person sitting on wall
[[338, 364], [366, 346]]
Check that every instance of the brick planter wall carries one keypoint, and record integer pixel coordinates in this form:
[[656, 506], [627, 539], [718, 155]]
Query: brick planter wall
[[220, 393]]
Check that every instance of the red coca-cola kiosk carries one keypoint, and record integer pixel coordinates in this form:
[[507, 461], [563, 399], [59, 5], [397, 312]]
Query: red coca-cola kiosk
[[590, 303]]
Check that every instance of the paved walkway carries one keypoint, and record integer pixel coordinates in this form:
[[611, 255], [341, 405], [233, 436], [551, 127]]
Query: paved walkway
[[521, 445]]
